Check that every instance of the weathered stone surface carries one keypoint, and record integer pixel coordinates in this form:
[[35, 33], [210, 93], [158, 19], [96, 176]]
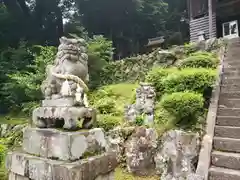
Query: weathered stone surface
[[62, 102], [13, 176], [216, 173], [71, 64], [228, 111], [194, 177], [234, 95], [37, 168], [145, 103], [140, 148], [226, 160], [226, 144], [116, 141], [227, 132], [63, 117], [228, 121], [52, 143], [176, 158], [229, 103]]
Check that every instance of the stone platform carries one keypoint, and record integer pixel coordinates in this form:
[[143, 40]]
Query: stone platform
[[56, 144], [51, 154], [25, 167], [63, 117]]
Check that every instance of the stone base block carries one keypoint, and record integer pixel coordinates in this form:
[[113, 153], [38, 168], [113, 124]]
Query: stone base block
[[108, 176], [36, 168], [55, 144], [62, 102], [13, 176], [64, 117]]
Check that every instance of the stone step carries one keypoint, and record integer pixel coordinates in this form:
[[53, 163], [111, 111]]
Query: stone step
[[228, 103], [227, 132], [228, 121], [230, 95], [230, 78], [233, 57], [226, 144], [217, 173], [226, 160], [230, 87], [228, 111], [232, 63], [228, 68]]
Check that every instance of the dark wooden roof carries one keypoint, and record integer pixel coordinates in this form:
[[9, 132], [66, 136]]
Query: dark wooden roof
[[155, 41], [198, 8], [227, 8]]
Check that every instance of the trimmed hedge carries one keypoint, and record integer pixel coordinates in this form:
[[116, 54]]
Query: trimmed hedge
[[193, 79], [156, 76], [184, 106], [171, 80], [199, 60]]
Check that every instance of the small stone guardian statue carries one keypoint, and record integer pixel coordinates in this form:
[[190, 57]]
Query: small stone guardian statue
[[65, 88]]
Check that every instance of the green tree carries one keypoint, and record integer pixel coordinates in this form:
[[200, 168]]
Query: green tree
[[127, 23]]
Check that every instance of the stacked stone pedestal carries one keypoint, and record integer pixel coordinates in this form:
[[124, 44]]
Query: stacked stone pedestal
[[50, 154]]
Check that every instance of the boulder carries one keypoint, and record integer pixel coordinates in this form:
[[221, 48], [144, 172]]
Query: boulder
[[177, 156], [140, 150]]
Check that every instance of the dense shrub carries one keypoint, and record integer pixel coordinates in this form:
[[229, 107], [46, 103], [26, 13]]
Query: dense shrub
[[108, 121], [106, 105], [156, 76], [190, 48], [185, 106], [110, 101], [199, 60], [113, 98], [171, 80], [3, 171], [192, 79]]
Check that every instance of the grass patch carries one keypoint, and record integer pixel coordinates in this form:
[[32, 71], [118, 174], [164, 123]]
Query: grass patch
[[13, 120], [120, 174]]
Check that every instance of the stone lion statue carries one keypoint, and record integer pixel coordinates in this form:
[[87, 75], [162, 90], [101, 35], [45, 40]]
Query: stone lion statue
[[69, 74], [64, 89]]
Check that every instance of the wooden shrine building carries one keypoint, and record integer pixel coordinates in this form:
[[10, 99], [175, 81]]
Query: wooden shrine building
[[214, 18]]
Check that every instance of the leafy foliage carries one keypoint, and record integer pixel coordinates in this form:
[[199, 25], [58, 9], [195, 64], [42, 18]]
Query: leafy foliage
[[190, 48], [25, 23], [192, 79], [108, 121], [112, 99], [134, 68], [157, 75], [22, 89], [185, 106], [100, 52], [171, 80], [199, 60], [3, 151], [24, 86], [110, 102], [12, 60]]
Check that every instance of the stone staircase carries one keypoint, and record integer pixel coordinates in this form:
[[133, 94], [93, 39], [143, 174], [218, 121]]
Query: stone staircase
[[225, 156]]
